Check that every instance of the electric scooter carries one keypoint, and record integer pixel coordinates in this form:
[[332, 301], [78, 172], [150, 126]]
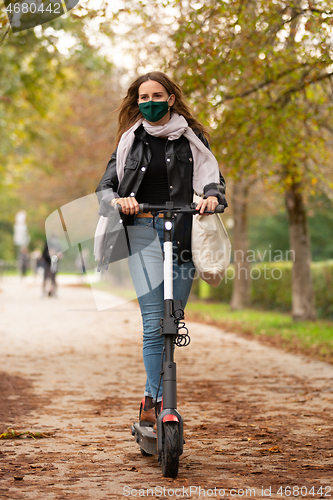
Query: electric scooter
[[167, 441]]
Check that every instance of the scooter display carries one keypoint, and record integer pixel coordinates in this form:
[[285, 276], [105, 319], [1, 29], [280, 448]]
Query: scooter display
[[167, 440]]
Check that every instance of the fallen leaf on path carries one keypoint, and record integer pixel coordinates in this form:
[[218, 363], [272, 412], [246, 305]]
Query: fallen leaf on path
[[12, 434], [275, 449], [132, 469]]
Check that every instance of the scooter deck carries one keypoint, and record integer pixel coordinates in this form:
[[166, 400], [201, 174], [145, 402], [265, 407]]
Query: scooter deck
[[145, 437]]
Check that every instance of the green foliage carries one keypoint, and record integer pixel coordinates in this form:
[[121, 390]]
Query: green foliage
[[259, 75], [321, 231], [323, 285], [35, 72], [271, 286], [270, 234], [52, 89], [7, 249], [273, 289], [265, 68], [9, 205]]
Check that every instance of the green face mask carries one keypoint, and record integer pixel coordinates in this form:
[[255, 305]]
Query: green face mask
[[153, 111]]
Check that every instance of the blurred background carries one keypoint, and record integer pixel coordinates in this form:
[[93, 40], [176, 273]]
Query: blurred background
[[257, 74]]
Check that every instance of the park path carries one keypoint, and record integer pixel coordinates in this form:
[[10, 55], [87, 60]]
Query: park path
[[258, 421]]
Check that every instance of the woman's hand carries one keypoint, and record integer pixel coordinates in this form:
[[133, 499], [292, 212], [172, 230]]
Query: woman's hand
[[209, 203], [128, 205]]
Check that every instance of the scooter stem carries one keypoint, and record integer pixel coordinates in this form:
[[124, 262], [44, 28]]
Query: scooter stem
[[169, 366], [167, 248]]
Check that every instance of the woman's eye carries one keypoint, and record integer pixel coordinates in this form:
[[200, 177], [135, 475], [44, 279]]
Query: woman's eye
[[154, 98]]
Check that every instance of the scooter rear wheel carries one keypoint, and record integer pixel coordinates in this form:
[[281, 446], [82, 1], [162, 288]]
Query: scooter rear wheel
[[170, 455]]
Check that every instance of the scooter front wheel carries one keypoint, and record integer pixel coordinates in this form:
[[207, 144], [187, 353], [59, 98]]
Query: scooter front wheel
[[170, 454]]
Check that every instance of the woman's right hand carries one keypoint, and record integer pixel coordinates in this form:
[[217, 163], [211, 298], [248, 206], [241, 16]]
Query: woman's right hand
[[128, 205]]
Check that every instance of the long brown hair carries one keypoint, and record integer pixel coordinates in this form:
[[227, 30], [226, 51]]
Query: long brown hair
[[129, 112]]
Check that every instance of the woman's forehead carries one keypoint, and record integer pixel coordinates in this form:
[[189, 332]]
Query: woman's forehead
[[151, 87]]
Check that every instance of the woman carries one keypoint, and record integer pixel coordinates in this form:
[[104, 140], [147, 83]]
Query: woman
[[162, 155]]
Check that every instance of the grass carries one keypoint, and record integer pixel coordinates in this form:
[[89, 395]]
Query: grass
[[314, 339]]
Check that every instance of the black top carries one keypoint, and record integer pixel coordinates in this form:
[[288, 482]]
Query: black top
[[154, 187]]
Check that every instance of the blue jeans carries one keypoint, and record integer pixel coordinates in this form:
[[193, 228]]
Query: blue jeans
[[146, 267]]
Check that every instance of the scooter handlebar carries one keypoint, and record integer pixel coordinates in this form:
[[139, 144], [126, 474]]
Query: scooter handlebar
[[219, 209], [186, 209]]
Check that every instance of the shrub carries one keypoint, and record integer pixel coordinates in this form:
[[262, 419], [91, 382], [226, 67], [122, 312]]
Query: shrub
[[271, 287]]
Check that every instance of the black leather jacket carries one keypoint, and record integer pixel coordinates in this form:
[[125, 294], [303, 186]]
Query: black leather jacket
[[179, 163]]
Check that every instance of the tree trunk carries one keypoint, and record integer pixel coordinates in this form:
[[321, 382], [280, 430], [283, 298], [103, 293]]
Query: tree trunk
[[241, 283], [303, 303]]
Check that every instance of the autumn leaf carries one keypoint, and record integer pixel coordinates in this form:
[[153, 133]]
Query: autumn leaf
[[275, 449], [12, 434]]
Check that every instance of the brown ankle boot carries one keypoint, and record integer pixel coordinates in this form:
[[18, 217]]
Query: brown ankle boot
[[147, 410], [148, 416]]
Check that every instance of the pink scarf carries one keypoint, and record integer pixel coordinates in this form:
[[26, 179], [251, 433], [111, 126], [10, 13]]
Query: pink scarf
[[205, 166]]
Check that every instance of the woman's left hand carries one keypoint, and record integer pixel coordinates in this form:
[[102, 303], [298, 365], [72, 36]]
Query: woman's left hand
[[209, 203]]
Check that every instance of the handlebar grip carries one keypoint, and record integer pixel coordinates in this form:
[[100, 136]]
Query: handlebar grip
[[144, 208], [219, 209]]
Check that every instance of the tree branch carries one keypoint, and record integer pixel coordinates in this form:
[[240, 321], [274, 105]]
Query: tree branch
[[285, 97], [3, 38], [318, 11], [264, 84]]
